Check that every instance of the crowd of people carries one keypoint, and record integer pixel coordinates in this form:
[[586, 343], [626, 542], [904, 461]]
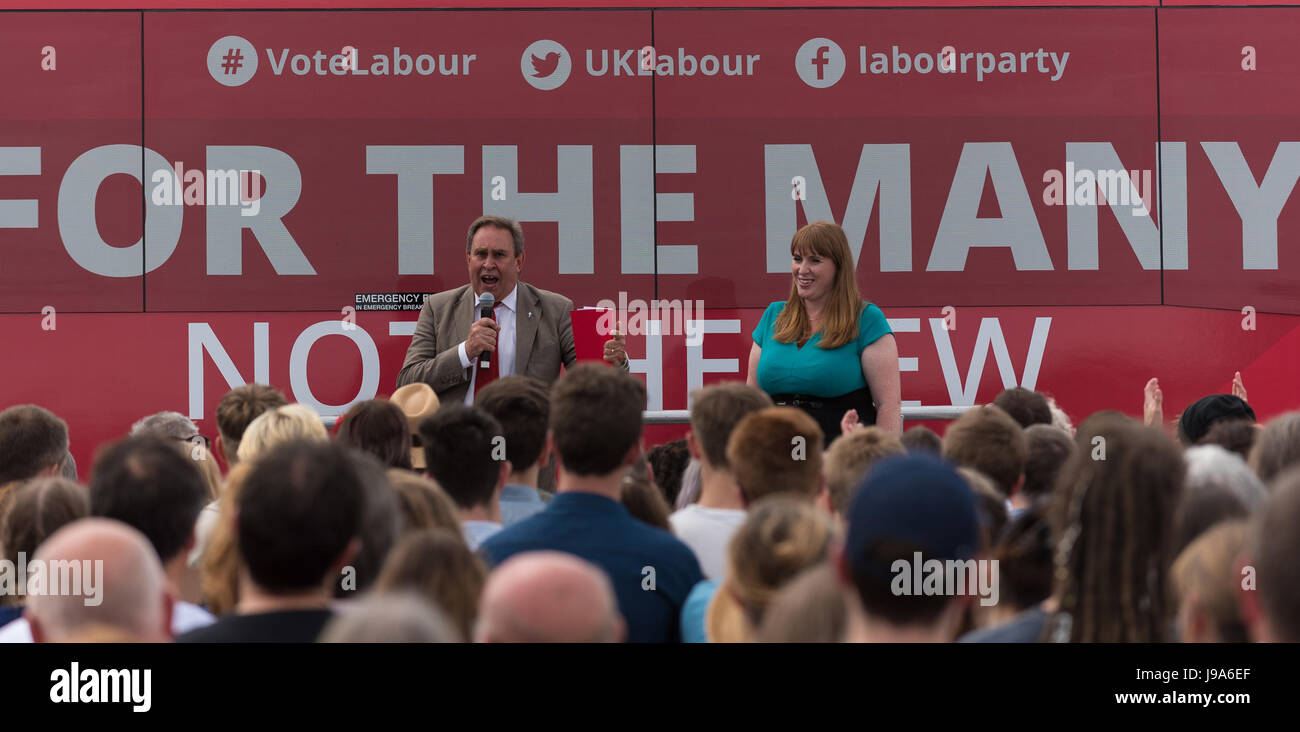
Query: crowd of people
[[419, 521]]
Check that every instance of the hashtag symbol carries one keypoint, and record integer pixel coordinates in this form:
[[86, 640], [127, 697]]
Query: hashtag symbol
[[233, 59]]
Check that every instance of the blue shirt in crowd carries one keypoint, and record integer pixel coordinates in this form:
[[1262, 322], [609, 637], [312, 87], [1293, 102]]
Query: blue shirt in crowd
[[518, 502], [650, 569], [695, 613]]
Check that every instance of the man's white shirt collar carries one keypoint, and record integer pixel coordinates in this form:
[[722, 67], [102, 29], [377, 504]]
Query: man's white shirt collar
[[509, 300]]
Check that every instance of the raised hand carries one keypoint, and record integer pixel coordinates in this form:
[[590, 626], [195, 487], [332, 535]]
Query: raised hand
[[1153, 412], [616, 349], [849, 422]]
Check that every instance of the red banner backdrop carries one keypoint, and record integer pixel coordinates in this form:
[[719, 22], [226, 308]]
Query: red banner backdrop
[[71, 85], [1221, 73], [937, 175]]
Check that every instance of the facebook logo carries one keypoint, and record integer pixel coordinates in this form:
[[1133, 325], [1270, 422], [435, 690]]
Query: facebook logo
[[819, 62]]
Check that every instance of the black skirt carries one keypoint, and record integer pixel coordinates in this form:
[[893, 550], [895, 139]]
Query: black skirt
[[828, 411]]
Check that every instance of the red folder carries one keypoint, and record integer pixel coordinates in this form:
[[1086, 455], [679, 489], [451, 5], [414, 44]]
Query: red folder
[[590, 333]]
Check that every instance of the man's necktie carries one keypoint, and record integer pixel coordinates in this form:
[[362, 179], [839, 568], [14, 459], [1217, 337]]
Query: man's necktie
[[488, 375]]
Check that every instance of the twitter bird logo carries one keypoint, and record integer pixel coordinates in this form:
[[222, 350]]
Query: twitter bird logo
[[545, 65]]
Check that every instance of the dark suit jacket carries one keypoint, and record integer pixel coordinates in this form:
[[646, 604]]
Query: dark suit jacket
[[543, 342]]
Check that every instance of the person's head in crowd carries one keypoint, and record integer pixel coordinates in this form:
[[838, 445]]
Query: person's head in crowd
[[1202, 414], [186, 439], [438, 566], [829, 262], [1113, 523], [808, 609], [1277, 447], [129, 594], [464, 452], [381, 525], [167, 424], [1025, 406], [277, 426], [850, 457], [1060, 419], [237, 409], [32, 442], [782, 536], [418, 402], [1219, 487], [908, 504], [922, 439], [298, 522], [715, 412], [33, 512], [1206, 578], [1025, 563], [401, 617], [989, 440], [1048, 449], [643, 499], [595, 427], [990, 506], [378, 427], [144, 482], [1234, 435], [1272, 611], [778, 450], [548, 597], [522, 405], [219, 564], [668, 462], [422, 503]]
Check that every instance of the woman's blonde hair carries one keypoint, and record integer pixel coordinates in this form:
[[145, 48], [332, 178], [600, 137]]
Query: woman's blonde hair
[[275, 426], [843, 309], [219, 565], [782, 536]]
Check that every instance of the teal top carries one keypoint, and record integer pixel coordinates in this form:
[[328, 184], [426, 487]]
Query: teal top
[[785, 368]]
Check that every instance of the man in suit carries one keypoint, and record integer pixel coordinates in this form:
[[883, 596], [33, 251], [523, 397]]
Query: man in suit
[[530, 333]]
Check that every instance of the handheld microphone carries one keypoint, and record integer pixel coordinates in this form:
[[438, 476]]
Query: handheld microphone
[[485, 304]]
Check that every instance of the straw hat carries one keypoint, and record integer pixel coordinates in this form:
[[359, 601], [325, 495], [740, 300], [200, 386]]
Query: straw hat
[[417, 401]]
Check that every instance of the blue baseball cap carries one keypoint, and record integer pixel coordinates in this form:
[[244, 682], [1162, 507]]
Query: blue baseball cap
[[912, 500]]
